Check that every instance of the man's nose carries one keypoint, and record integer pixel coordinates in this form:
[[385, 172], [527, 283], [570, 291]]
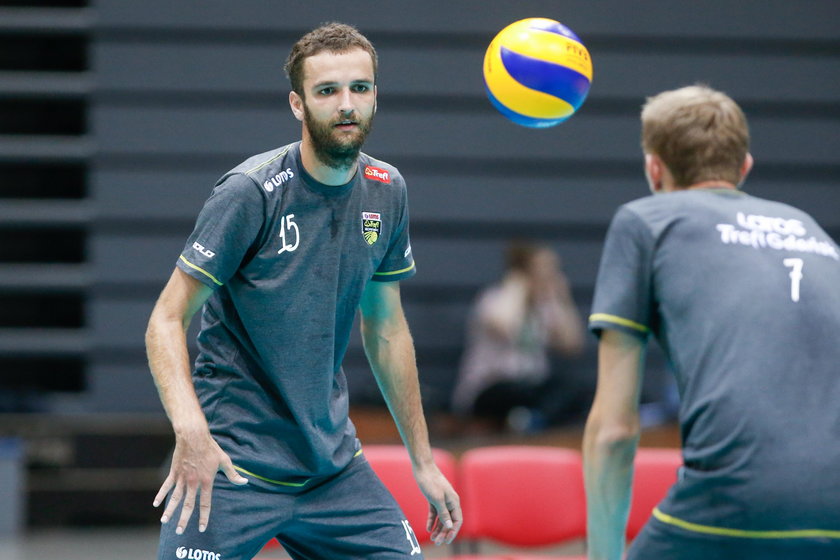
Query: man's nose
[[345, 105]]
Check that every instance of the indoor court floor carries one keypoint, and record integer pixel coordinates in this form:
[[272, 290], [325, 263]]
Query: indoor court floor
[[141, 544]]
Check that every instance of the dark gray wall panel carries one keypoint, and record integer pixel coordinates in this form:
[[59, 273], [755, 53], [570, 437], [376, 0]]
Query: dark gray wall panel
[[122, 324], [137, 195], [135, 258], [172, 197], [718, 18], [255, 72], [820, 199], [469, 262], [147, 259], [152, 194], [122, 387], [187, 130]]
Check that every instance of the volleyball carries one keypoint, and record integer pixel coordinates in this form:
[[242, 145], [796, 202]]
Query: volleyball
[[537, 72]]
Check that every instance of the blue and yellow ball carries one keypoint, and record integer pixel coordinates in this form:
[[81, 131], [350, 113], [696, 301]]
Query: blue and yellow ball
[[537, 72]]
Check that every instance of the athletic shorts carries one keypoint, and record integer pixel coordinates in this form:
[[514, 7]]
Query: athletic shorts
[[660, 541], [349, 516]]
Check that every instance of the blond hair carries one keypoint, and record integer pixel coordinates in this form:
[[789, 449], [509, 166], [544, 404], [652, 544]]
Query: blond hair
[[699, 133]]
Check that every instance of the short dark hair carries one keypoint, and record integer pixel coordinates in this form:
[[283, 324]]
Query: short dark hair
[[333, 37]]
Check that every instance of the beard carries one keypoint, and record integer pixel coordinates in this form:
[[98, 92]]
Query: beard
[[333, 148]]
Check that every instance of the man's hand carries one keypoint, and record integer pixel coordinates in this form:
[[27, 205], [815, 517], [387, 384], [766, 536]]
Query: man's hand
[[196, 460], [445, 517]]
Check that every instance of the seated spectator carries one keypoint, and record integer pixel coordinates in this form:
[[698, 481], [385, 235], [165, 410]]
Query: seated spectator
[[506, 378]]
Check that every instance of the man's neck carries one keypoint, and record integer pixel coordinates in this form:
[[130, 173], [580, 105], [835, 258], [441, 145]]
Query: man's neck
[[703, 185]]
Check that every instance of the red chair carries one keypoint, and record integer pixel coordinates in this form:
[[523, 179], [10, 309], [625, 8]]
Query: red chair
[[522, 496], [392, 465], [655, 472]]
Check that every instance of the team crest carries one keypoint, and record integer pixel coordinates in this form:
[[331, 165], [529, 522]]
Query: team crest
[[371, 226]]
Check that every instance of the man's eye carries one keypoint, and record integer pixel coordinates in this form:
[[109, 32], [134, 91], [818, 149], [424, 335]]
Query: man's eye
[[360, 88], [325, 91]]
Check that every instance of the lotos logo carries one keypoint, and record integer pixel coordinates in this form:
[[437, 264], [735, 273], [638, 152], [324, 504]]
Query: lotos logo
[[196, 554], [278, 179], [377, 174], [771, 224]]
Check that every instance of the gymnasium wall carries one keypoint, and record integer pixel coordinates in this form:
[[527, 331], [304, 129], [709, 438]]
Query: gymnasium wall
[[174, 94]]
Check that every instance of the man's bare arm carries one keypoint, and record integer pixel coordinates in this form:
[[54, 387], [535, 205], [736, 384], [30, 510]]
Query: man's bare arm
[[610, 440], [390, 350], [197, 457]]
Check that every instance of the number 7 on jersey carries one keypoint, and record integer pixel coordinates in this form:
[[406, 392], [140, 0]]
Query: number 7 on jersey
[[795, 276]]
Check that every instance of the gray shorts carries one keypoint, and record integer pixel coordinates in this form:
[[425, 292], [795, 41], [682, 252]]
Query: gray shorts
[[665, 542], [349, 516]]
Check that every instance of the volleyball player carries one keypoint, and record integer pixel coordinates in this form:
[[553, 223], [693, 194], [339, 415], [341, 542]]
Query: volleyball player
[[286, 249], [742, 295]]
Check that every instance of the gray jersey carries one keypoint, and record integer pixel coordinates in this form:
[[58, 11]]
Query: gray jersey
[[288, 259], [743, 295]]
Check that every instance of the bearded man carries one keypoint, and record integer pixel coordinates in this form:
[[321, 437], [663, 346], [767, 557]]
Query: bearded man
[[286, 249]]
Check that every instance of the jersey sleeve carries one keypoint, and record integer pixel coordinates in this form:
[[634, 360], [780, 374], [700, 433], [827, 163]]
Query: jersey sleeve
[[225, 230], [623, 290], [398, 263]]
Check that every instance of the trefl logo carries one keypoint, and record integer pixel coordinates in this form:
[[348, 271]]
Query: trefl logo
[[377, 174], [196, 554]]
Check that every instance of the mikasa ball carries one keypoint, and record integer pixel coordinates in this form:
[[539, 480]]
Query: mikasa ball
[[537, 72]]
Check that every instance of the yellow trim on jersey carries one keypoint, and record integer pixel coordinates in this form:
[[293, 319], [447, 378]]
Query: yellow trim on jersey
[[201, 270], [742, 533], [393, 272], [263, 164], [618, 321], [280, 482]]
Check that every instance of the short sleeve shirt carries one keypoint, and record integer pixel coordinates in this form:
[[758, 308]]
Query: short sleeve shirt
[[743, 294], [288, 259]]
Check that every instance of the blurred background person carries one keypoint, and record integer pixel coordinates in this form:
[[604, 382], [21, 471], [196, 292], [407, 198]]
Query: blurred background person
[[506, 379]]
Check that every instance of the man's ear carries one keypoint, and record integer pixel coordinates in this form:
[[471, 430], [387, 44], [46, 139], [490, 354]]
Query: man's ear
[[296, 103], [653, 171], [746, 167]]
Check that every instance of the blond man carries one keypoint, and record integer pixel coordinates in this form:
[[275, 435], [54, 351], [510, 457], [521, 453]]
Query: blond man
[[742, 295]]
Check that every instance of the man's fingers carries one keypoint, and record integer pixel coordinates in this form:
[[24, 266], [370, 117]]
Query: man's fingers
[[431, 518], [441, 523], [187, 509], [456, 519], [448, 521], [204, 505], [191, 482], [164, 490], [174, 500]]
